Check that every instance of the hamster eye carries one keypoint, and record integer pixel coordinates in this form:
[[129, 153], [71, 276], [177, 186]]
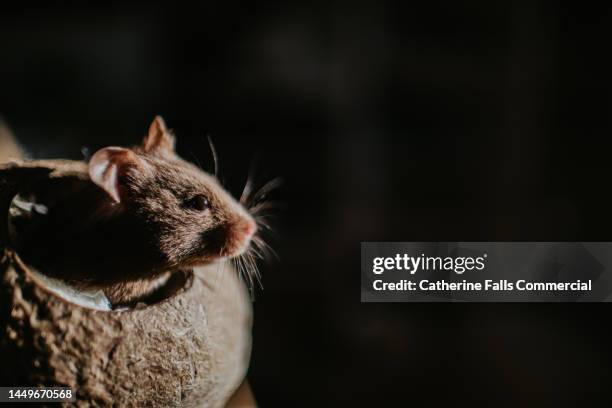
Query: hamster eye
[[198, 202]]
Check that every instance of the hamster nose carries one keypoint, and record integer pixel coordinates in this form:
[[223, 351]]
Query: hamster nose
[[249, 227]]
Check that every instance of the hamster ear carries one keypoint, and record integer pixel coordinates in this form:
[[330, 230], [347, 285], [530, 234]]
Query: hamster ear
[[159, 139], [108, 166]]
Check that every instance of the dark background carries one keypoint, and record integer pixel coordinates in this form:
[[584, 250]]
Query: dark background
[[440, 121]]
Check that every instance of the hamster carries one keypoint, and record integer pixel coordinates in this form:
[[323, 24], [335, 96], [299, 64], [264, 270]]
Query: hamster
[[142, 213]]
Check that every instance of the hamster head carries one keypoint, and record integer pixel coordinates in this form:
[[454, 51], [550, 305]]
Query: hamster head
[[185, 213]]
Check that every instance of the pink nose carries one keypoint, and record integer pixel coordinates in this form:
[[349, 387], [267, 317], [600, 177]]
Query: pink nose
[[249, 228]]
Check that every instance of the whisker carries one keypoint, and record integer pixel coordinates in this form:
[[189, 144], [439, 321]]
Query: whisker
[[248, 185], [264, 247], [254, 269], [246, 191], [262, 222], [251, 267], [238, 267], [214, 154], [258, 209], [244, 273], [248, 274], [254, 200], [257, 253], [266, 189]]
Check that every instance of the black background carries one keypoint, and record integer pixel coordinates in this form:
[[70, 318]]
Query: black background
[[477, 120]]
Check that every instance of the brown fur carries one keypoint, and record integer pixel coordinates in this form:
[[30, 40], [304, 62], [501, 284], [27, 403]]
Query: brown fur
[[132, 223]]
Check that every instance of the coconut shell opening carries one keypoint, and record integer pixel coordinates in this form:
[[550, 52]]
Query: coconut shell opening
[[23, 209], [171, 286]]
